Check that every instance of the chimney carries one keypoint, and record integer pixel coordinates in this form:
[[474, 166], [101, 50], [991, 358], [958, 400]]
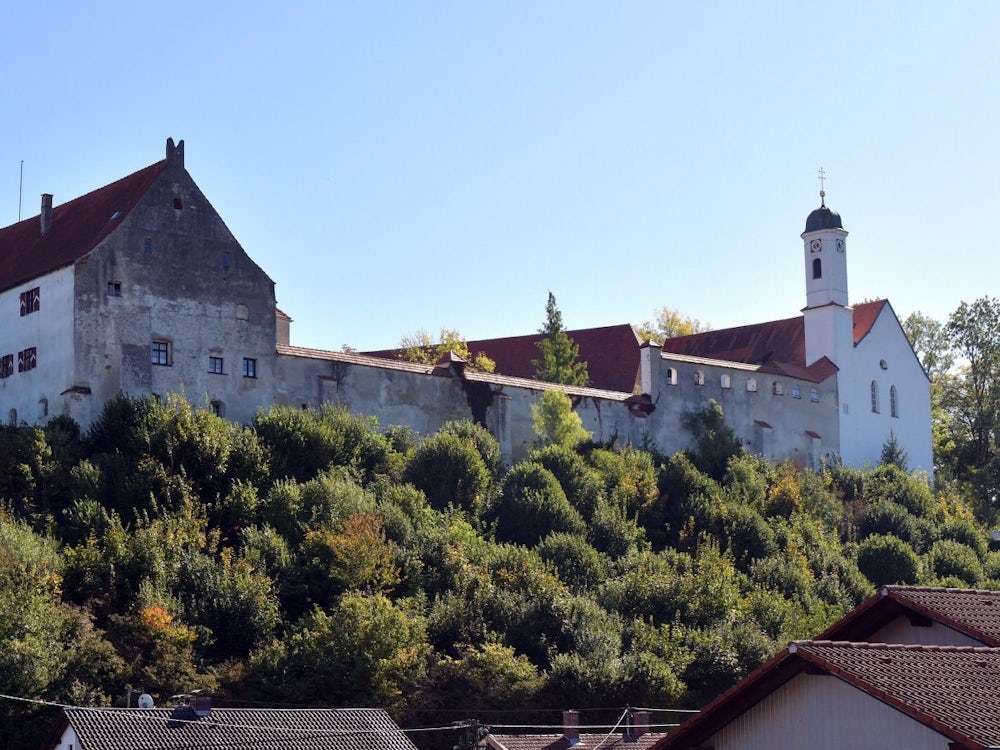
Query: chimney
[[650, 356], [175, 154], [201, 705], [639, 725], [571, 727], [46, 215]]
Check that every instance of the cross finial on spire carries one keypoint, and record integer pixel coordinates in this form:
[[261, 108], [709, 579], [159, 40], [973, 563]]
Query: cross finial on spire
[[822, 185]]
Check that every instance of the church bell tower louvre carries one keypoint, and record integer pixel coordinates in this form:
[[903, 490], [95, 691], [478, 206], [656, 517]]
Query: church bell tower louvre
[[828, 317]]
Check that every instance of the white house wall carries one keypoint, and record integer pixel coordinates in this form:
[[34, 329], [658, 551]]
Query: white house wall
[[34, 395], [864, 432], [822, 712], [901, 630]]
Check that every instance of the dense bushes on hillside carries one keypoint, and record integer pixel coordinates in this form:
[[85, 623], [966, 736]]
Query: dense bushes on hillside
[[316, 558]]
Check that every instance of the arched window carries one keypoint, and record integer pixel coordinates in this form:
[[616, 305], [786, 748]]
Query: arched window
[[893, 402], [874, 397], [726, 381], [699, 378], [817, 269], [671, 376]]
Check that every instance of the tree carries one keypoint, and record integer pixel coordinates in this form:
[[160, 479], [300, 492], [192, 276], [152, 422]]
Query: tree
[[670, 323], [974, 402], [715, 442], [421, 347], [555, 422], [558, 363], [931, 343], [893, 452]]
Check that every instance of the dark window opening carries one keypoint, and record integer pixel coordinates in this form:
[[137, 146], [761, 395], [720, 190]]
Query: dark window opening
[[31, 301], [817, 269], [215, 365], [249, 367], [6, 365], [147, 246], [177, 204], [27, 360], [160, 352], [114, 289]]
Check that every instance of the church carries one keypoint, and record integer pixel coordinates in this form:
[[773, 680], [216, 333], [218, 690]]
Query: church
[[140, 288]]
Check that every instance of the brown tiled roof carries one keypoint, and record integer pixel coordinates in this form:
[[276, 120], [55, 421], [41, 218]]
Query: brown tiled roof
[[953, 690], [77, 227], [778, 345], [258, 728], [587, 741], [970, 611], [611, 354]]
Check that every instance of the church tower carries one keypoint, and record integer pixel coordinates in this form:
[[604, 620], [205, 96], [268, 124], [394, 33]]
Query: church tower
[[829, 321]]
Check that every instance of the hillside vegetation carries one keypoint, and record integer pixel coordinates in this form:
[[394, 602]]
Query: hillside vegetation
[[317, 558]]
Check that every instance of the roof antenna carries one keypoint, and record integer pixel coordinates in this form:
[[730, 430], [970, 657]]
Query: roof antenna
[[822, 192], [20, 190]]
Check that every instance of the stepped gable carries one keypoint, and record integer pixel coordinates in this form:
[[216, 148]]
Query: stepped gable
[[77, 227], [975, 613]]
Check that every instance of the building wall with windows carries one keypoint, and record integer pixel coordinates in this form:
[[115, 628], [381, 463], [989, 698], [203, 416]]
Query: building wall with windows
[[885, 359], [36, 346]]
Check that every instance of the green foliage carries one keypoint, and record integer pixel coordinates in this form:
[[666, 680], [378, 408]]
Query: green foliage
[[450, 471], [555, 422], [582, 485], [893, 453], [669, 323], [577, 563], [421, 347], [559, 353], [888, 559], [480, 437], [887, 517], [951, 559], [714, 441], [533, 505]]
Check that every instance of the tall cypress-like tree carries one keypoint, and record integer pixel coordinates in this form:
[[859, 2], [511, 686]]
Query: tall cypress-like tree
[[559, 361]]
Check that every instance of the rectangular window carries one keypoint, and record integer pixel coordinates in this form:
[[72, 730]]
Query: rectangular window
[[215, 365], [796, 392], [6, 365], [26, 360], [249, 367], [160, 352], [31, 301], [814, 395], [114, 289]]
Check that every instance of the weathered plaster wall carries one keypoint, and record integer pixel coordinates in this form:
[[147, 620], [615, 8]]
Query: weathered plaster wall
[[184, 279]]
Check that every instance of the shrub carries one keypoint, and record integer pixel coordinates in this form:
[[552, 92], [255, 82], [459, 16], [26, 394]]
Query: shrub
[[450, 471], [884, 558], [577, 563], [949, 558], [533, 505], [887, 517]]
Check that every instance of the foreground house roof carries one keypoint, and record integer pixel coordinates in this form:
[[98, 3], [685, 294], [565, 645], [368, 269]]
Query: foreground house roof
[[972, 612], [230, 728], [952, 690], [587, 741]]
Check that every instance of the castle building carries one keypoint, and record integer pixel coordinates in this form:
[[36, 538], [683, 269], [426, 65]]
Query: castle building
[[140, 288]]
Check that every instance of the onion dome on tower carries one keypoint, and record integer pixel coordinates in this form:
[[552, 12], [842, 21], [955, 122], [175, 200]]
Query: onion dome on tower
[[823, 217]]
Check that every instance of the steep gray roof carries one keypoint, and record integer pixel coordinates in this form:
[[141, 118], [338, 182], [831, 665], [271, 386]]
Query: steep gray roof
[[233, 728]]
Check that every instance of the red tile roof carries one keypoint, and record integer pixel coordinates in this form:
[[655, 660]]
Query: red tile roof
[[950, 689], [611, 354], [777, 345], [77, 227], [970, 611]]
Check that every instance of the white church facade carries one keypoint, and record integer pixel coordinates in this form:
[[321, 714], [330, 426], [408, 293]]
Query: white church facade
[[140, 288]]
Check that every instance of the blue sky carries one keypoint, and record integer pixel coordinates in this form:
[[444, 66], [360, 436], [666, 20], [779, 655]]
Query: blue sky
[[396, 166]]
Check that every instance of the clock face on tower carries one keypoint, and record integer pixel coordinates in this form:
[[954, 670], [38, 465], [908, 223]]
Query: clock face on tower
[[840, 246], [816, 245]]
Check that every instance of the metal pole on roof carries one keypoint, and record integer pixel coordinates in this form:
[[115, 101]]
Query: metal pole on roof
[[20, 190]]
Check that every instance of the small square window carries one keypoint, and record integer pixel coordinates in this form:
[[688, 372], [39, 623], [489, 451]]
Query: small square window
[[215, 365], [26, 360], [114, 289], [31, 301], [249, 367], [160, 352]]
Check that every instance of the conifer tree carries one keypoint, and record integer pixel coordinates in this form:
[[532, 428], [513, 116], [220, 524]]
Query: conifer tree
[[558, 363]]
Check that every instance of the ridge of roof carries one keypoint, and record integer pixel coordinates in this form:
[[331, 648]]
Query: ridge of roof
[[77, 227]]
